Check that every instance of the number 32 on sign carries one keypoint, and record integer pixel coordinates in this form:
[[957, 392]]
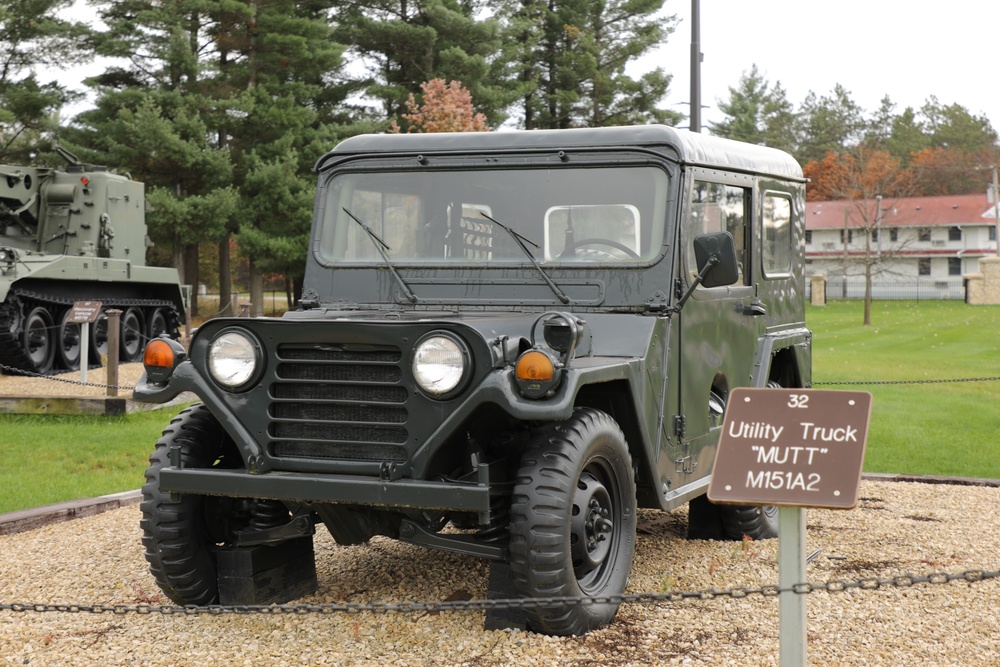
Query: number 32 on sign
[[792, 447]]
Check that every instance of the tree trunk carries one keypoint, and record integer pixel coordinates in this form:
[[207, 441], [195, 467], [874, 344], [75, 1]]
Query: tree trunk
[[256, 291], [868, 294], [225, 279], [189, 272]]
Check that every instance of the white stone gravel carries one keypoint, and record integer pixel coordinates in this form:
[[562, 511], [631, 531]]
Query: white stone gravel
[[70, 384], [897, 528]]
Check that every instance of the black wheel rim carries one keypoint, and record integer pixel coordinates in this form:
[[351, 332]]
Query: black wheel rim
[[132, 335], [38, 339], [69, 343], [593, 522], [157, 324]]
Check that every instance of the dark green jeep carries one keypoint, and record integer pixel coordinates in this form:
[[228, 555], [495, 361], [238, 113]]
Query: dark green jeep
[[507, 343]]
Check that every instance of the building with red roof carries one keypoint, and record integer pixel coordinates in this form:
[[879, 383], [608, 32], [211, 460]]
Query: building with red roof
[[928, 239]]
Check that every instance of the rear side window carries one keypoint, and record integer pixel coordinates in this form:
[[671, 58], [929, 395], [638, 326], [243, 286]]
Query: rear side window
[[777, 235]]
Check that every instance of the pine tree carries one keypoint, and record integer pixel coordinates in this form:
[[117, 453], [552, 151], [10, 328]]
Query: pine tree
[[568, 62], [32, 36]]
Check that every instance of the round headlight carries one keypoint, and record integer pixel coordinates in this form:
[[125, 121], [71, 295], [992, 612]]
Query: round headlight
[[439, 363], [232, 359]]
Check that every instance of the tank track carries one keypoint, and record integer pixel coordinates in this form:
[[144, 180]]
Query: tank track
[[14, 358]]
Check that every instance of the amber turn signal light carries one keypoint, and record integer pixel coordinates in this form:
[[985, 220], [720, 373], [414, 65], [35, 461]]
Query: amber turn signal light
[[158, 354], [536, 374], [534, 366]]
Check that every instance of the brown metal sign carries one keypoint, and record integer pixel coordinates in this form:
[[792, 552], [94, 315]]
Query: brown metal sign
[[794, 447], [84, 311]]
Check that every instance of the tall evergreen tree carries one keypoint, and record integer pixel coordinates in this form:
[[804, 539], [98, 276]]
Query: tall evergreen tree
[[403, 43], [570, 60], [32, 37], [757, 113], [828, 123]]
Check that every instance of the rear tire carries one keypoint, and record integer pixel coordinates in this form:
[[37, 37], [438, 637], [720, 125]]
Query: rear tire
[[754, 522], [179, 539], [573, 518]]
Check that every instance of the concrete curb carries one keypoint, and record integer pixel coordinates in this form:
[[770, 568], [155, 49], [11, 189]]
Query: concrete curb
[[36, 517], [29, 519]]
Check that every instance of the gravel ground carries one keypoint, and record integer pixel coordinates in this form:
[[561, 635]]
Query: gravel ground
[[897, 528], [68, 384]]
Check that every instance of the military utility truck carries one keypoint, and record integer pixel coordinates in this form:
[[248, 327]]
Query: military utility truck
[[71, 235], [507, 343]]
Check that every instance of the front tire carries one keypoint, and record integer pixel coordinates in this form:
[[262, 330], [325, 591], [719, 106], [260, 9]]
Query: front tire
[[573, 519], [179, 540]]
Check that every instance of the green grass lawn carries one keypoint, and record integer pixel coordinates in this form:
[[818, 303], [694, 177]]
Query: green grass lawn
[[929, 429], [51, 458]]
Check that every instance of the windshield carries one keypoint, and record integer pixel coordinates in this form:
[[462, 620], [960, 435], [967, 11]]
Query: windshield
[[595, 214]]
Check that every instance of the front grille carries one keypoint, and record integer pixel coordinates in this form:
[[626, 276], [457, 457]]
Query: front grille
[[339, 402]]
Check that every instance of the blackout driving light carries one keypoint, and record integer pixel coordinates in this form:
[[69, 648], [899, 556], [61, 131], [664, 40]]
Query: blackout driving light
[[233, 359], [439, 364]]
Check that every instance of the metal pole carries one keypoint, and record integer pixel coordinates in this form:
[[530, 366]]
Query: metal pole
[[114, 340], [696, 57], [996, 209], [84, 350], [791, 571]]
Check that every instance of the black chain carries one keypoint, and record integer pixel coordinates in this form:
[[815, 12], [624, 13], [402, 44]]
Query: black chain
[[10, 370], [832, 586], [858, 382]]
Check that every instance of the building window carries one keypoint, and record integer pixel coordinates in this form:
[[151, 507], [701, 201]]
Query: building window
[[893, 234], [924, 234], [924, 266], [954, 266], [809, 236], [993, 233], [874, 236], [850, 235], [955, 234]]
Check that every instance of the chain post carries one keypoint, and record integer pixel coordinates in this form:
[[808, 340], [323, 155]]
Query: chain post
[[114, 342]]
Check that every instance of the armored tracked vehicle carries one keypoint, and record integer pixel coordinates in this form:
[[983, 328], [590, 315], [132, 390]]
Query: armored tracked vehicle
[[70, 235], [508, 343]]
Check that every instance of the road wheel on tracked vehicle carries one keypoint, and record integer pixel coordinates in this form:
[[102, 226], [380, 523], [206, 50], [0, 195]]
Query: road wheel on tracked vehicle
[[573, 518], [68, 339], [181, 533], [133, 336], [157, 323], [39, 339]]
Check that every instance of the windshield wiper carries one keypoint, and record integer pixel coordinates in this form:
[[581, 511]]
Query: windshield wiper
[[381, 246], [521, 241]]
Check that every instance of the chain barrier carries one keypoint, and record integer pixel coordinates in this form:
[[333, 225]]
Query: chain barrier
[[879, 382], [832, 586], [10, 370]]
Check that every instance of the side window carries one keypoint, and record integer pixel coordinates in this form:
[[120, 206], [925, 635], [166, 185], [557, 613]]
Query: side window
[[777, 235], [714, 208]]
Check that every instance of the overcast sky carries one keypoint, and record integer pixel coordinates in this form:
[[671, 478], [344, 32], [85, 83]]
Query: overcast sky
[[906, 50]]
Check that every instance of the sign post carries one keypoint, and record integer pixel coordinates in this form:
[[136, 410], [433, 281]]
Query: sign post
[[793, 448], [84, 313]]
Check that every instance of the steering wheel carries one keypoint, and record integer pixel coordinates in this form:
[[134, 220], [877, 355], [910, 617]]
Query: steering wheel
[[599, 241]]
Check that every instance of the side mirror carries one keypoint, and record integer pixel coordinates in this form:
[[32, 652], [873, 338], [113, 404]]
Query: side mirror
[[715, 255]]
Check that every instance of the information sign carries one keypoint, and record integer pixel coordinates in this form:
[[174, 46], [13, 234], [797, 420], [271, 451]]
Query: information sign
[[792, 447], [84, 311]]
